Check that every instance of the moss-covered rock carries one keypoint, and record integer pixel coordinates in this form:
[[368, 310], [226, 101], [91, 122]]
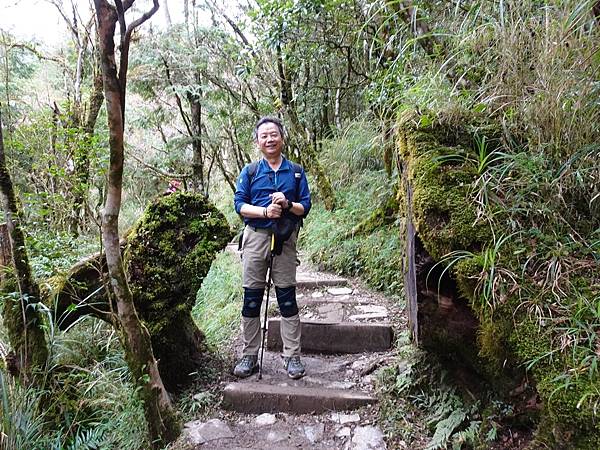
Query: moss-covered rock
[[169, 253]]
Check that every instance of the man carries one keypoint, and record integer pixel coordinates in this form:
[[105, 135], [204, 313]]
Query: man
[[276, 188]]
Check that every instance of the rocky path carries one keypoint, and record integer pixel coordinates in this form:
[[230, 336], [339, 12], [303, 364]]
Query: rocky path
[[346, 337]]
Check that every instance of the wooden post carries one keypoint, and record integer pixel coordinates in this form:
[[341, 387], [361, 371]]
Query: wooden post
[[410, 276], [5, 252]]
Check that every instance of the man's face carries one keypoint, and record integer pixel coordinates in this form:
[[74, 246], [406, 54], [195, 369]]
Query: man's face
[[269, 139]]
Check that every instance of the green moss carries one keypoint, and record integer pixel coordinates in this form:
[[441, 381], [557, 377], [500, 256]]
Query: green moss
[[569, 406], [444, 214], [466, 273], [170, 252]]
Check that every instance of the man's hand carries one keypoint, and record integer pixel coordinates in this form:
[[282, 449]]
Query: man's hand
[[278, 198], [274, 211]]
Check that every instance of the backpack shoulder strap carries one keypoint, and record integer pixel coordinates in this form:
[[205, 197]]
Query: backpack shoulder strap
[[251, 172], [297, 169]]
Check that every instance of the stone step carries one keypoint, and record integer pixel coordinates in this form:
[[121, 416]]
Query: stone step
[[324, 337], [307, 282], [253, 398]]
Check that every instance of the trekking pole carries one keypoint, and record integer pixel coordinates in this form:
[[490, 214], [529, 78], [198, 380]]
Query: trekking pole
[[264, 327]]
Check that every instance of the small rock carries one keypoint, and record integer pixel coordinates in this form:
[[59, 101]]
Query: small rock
[[199, 433], [349, 418], [368, 438], [344, 418], [339, 291], [334, 417], [314, 433], [343, 432], [202, 396], [299, 295], [274, 436], [316, 294], [265, 419], [358, 364]]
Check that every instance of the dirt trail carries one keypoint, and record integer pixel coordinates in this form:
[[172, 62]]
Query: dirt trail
[[272, 413]]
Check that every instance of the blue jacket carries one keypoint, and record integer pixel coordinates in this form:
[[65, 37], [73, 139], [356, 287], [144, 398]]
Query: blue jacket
[[267, 181]]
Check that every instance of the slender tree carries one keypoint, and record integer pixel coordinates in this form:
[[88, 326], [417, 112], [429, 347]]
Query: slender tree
[[162, 424], [22, 318]]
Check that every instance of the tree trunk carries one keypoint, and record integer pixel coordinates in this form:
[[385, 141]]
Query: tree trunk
[[306, 152], [162, 424], [22, 318], [198, 182], [82, 153]]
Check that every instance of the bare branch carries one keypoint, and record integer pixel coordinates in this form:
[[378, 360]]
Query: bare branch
[[234, 26], [178, 176], [184, 116], [136, 23]]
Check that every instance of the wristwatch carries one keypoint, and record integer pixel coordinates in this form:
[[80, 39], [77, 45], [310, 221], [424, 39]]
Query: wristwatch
[[289, 205]]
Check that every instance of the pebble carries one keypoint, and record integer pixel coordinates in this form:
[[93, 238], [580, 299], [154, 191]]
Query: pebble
[[343, 432], [314, 433], [202, 396], [199, 433], [341, 385], [368, 438], [344, 418], [265, 419], [274, 436], [317, 294], [359, 364]]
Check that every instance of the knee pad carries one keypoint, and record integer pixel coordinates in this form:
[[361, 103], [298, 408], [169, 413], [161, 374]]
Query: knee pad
[[286, 297], [252, 301]]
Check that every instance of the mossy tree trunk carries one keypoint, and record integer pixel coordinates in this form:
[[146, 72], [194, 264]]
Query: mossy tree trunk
[[22, 318], [168, 253], [162, 423]]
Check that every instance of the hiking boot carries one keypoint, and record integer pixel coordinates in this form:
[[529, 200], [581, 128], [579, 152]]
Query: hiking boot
[[294, 367], [246, 366]]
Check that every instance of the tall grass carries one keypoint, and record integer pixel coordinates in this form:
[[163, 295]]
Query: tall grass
[[85, 401], [218, 304]]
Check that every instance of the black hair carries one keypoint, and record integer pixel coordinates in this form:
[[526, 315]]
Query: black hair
[[269, 119]]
